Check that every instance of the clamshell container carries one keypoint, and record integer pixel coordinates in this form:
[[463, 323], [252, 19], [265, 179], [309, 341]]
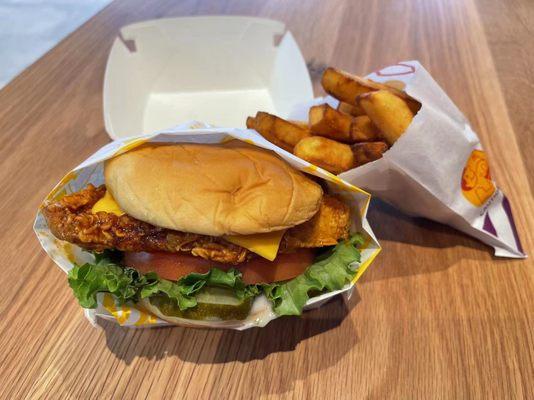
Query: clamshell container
[[218, 70]]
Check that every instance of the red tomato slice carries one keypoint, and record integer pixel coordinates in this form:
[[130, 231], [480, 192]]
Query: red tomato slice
[[173, 266], [285, 266]]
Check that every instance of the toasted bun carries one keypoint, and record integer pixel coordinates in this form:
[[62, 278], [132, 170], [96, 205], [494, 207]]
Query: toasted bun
[[260, 314], [227, 189]]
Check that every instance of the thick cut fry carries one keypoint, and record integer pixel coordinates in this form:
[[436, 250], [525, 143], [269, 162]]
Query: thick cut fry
[[302, 124], [346, 87], [328, 154], [413, 104], [388, 112], [363, 130], [367, 152], [354, 110], [327, 121], [251, 122], [282, 133]]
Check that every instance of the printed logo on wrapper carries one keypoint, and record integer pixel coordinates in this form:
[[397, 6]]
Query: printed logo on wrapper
[[396, 70], [91, 171], [477, 186], [397, 75]]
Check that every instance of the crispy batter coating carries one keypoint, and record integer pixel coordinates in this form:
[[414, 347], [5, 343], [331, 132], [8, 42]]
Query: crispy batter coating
[[71, 219], [326, 228]]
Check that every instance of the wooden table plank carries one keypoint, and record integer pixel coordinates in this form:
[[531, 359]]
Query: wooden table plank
[[508, 28], [435, 316]]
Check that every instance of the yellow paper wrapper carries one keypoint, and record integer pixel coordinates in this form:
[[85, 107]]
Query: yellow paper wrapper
[[66, 255]]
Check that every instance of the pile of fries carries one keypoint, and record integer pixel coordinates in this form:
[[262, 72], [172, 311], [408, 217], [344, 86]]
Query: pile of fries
[[370, 117]]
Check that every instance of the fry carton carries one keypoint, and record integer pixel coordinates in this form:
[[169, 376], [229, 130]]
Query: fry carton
[[67, 255], [437, 169]]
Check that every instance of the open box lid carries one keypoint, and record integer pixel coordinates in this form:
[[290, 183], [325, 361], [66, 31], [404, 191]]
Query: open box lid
[[216, 70]]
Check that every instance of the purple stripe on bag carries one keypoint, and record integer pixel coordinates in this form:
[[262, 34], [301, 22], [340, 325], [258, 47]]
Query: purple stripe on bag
[[488, 225], [508, 211]]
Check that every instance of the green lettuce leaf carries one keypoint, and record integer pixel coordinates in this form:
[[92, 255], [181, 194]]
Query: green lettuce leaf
[[103, 276], [183, 291], [126, 284], [329, 272]]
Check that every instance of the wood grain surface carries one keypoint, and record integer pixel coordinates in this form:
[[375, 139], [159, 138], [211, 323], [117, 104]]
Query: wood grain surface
[[436, 316]]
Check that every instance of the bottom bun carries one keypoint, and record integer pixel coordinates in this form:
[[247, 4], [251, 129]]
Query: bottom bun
[[260, 314]]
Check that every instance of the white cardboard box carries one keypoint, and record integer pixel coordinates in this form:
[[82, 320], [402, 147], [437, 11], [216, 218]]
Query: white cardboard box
[[216, 70]]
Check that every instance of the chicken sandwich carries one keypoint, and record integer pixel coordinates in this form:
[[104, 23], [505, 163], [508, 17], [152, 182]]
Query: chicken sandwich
[[198, 232]]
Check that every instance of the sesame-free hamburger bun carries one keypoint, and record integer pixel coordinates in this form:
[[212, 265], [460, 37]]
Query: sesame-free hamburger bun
[[226, 189]]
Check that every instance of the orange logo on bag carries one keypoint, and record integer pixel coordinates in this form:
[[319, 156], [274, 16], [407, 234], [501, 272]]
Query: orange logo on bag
[[477, 186]]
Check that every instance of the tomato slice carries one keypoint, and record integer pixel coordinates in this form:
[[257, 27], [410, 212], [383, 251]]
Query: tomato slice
[[173, 266], [285, 266]]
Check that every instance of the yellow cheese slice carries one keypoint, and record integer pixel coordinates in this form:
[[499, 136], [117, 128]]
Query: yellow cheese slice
[[107, 204], [263, 244]]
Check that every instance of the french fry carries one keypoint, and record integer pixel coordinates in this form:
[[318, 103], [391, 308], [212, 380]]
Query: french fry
[[367, 152], [282, 133], [326, 153], [346, 87], [354, 110], [251, 122], [302, 124], [363, 130], [327, 121], [388, 112], [370, 116]]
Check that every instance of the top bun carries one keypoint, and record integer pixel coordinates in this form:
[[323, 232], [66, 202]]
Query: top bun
[[226, 189]]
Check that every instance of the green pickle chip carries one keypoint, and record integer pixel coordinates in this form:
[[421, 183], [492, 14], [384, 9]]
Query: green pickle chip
[[212, 304]]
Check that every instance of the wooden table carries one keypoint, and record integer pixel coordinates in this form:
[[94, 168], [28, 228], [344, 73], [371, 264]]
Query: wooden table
[[436, 316]]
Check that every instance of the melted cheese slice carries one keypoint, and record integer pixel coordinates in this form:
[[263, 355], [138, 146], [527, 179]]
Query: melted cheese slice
[[107, 204], [263, 244]]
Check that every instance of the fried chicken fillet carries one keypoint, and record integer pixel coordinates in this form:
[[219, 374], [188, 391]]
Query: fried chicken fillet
[[71, 219]]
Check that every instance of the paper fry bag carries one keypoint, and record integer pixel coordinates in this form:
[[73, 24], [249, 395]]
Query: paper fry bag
[[437, 169], [66, 255]]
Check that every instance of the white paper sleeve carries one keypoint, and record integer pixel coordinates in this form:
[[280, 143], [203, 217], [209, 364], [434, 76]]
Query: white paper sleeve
[[437, 169]]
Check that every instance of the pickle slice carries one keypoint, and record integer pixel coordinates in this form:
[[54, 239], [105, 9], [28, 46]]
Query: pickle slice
[[213, 304]]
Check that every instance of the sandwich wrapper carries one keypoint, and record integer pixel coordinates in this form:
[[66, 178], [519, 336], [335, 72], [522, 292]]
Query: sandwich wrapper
[[437, 169], [66, 255]]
